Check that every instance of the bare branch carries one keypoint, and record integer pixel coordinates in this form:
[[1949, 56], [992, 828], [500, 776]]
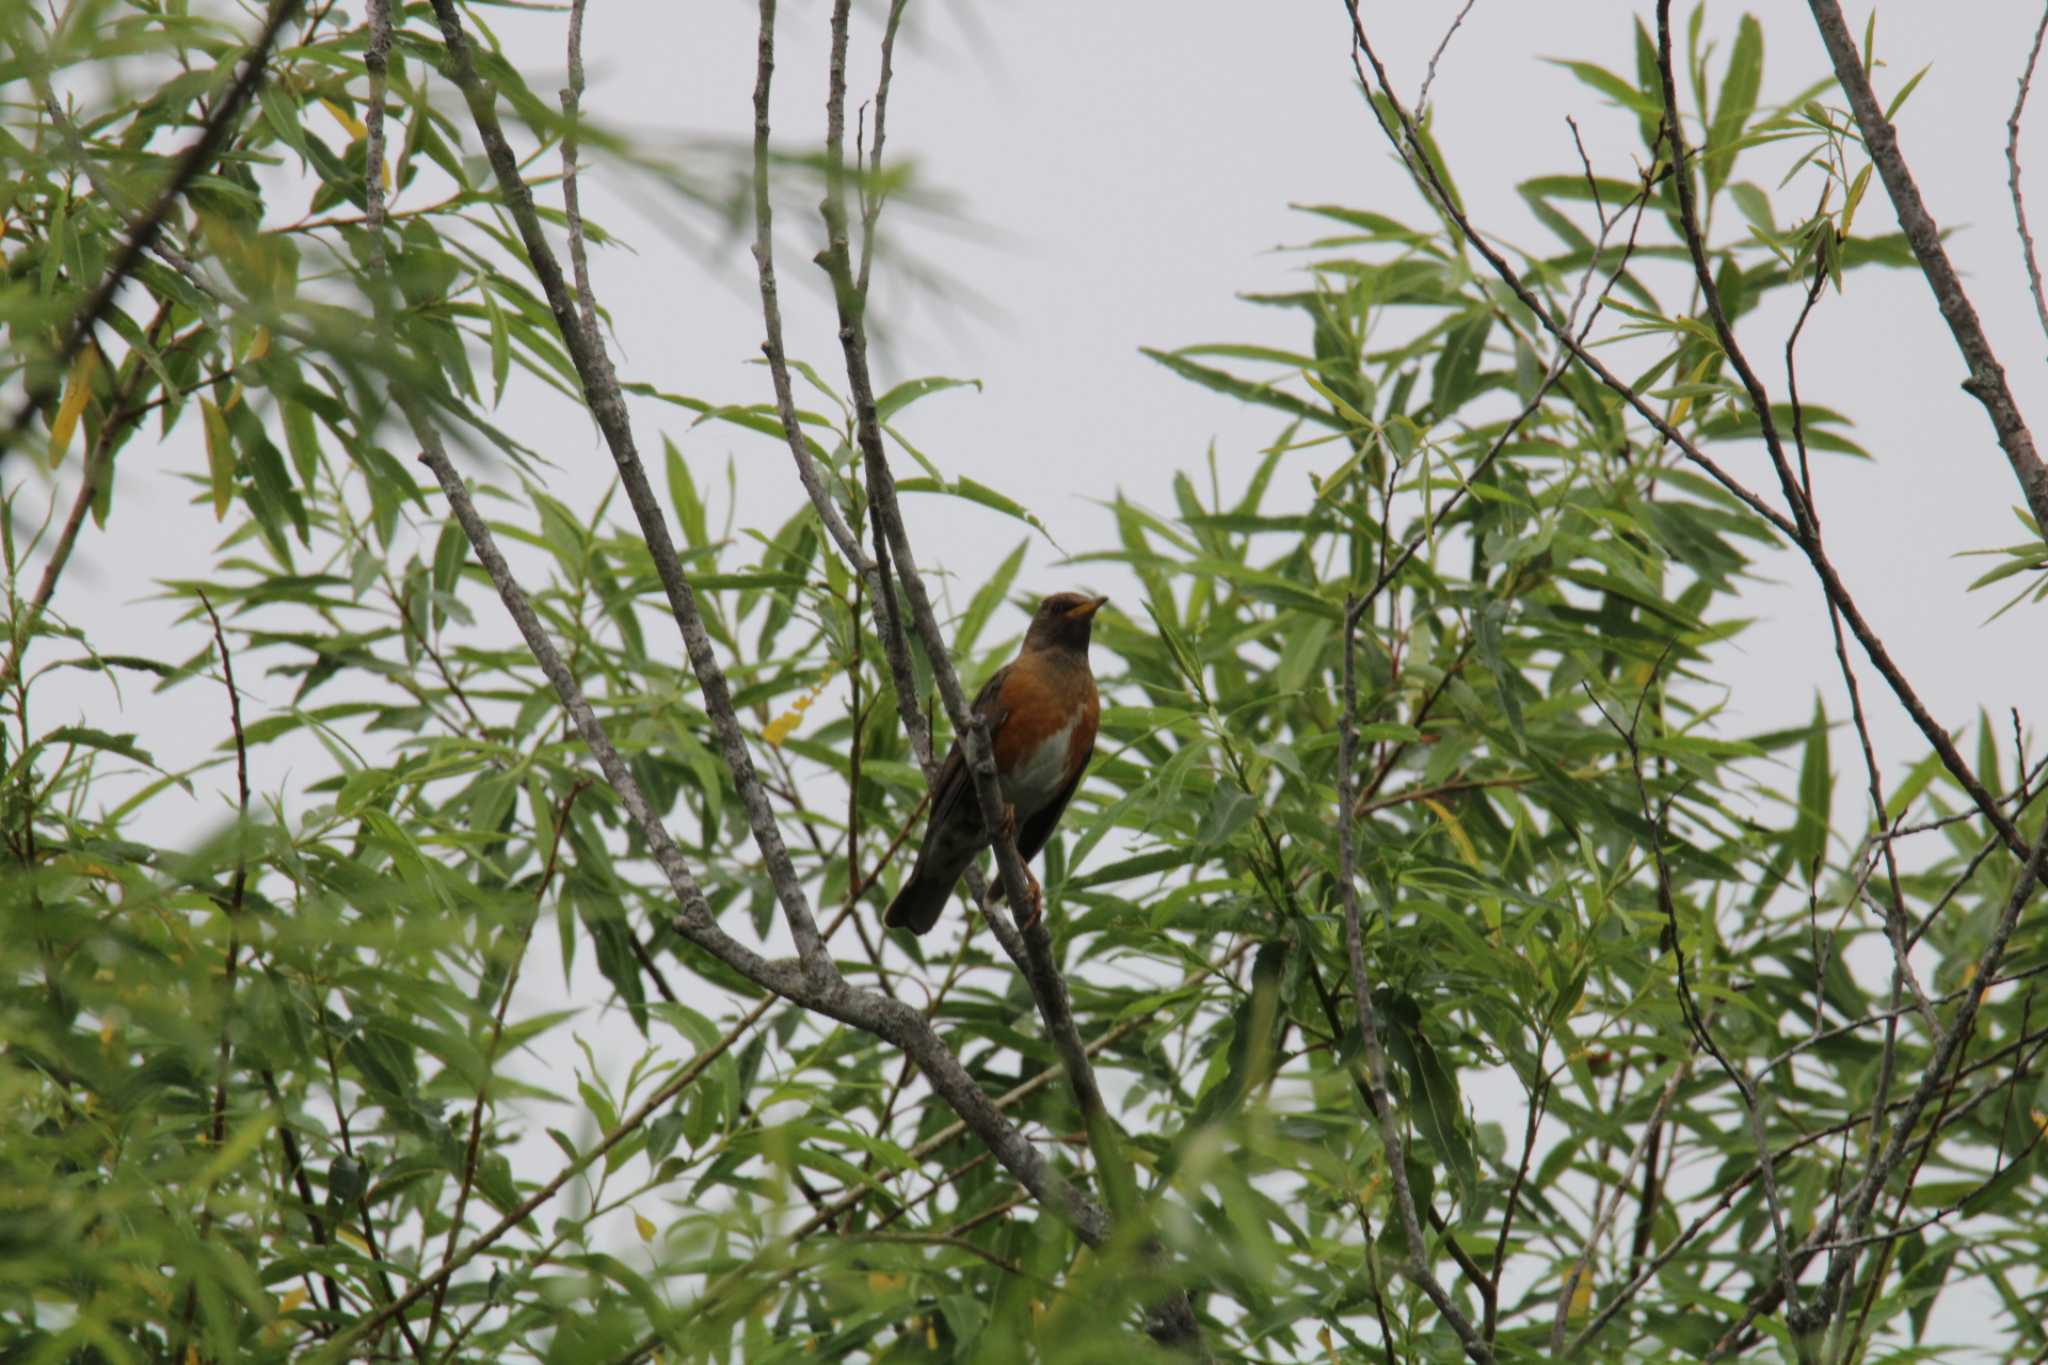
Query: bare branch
[[572, 204], [1688, 1004], [834, 998], [2012, 164], [873, 573], [1932, 1079], [1986, 381], [1443, 46]]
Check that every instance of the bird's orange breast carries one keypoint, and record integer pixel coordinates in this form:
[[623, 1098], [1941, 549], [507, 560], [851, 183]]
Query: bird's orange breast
[[1049, 726]]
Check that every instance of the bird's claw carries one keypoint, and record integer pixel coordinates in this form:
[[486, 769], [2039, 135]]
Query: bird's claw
[[1037, 911]]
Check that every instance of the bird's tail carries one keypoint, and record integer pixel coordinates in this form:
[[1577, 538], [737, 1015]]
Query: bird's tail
[[918, 904]]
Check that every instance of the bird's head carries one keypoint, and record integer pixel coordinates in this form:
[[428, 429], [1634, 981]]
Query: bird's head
[[1062, 621]]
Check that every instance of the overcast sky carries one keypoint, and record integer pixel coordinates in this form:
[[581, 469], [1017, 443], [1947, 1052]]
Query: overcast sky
[[1119, 172]]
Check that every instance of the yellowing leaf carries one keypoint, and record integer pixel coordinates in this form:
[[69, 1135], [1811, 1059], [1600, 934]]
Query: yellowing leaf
[[2040, 1121], [1582, 1295], [220, 457], [882, 1282], [644, 1226], [357, 131], [259, 346], [1683, 408], [354, 126], [291, 1300], [77, 393], [1455, 830], [778, 730], [783, 726]]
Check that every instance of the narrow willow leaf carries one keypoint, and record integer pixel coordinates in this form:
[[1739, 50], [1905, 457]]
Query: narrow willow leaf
[[220, 458], [77, 393]]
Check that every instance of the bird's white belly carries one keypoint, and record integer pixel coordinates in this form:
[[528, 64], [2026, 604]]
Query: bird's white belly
[[1043, 772]]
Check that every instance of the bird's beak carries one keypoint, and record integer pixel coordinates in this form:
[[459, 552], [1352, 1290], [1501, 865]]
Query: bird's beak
[[1087, 612]]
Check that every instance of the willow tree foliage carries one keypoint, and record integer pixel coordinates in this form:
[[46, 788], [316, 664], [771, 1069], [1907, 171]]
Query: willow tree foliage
[[1430, 967]]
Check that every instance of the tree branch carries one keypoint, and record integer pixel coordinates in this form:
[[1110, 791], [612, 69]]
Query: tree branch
[[1173, 1319], [1986, 381], [2012, 165], [608, 405]]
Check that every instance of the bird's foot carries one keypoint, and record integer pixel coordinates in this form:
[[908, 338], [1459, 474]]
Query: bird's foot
[[1037, 911]]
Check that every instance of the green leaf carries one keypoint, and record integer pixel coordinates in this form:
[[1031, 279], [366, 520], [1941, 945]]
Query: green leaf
[[1808, 837], [88, 738], [220, 458], [910, 390], [1245, 390], [981, 495], [1614, 87], [986, 599], [1437, 1106], [1736, 102]]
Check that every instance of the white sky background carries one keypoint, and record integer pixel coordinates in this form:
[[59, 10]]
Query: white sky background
[[1121, 171]]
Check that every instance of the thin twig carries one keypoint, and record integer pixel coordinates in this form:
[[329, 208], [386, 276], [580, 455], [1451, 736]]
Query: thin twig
[[872, 572], [2012, 163], [1986, 381], [572, 204], [1688, 1003], [1429, 76], [238, 884]]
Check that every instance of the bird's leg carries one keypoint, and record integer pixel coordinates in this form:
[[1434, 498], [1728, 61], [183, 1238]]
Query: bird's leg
[[1006, 828], [1009, 831]]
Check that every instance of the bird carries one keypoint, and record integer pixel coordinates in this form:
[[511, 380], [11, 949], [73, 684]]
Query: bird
[[1041, 710]]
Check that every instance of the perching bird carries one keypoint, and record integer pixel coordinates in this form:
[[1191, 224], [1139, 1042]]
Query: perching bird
[[1041, 711]]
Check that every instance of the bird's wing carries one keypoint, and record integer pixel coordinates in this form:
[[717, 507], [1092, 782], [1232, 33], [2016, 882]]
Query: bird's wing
[[1032, 835], [956, 785]]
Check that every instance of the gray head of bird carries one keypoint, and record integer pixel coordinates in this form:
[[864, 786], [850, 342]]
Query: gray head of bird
[[1062, 621]]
